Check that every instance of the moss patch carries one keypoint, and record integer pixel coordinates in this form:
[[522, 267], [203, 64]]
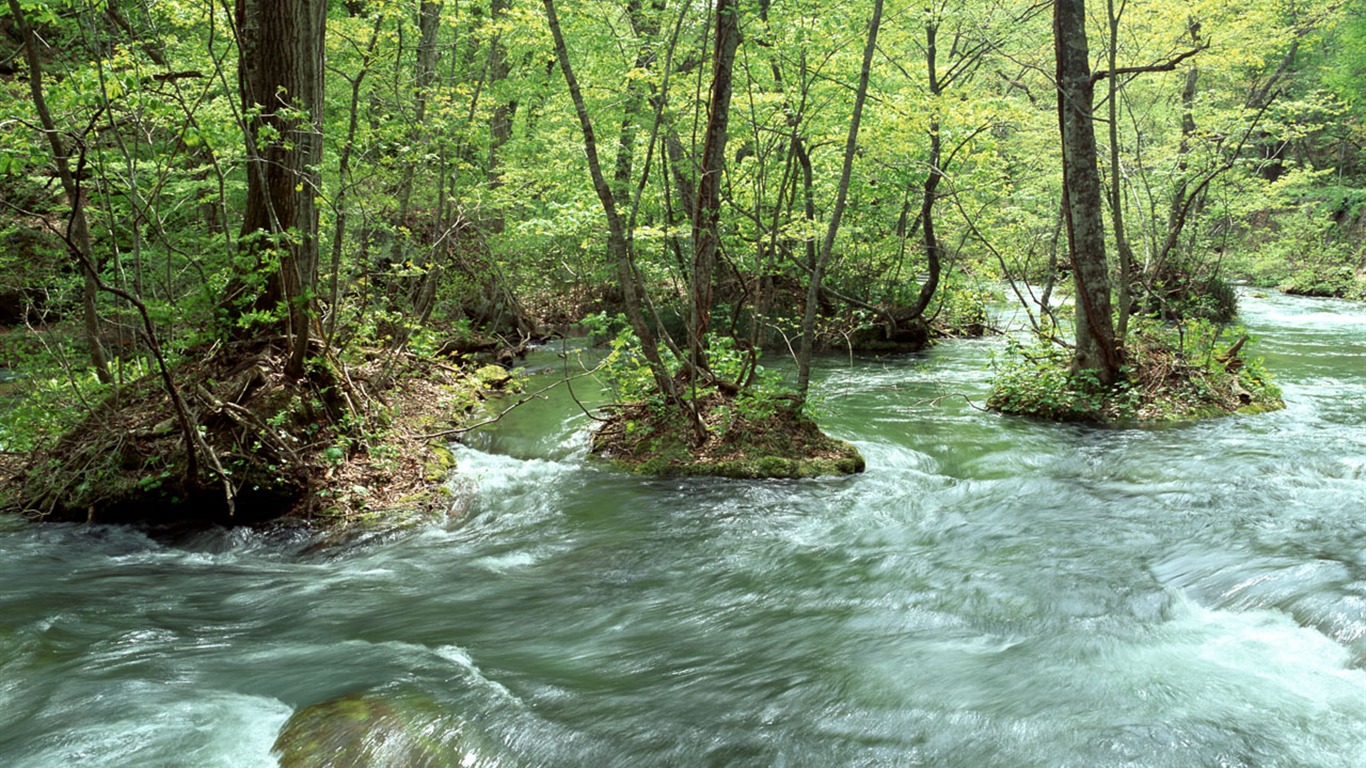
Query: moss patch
[[722, 439]]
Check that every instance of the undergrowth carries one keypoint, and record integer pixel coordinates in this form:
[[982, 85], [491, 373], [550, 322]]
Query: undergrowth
[[748, 423], [1175, 372]]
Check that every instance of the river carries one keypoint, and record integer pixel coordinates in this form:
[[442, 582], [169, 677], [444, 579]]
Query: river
[[993, 591]]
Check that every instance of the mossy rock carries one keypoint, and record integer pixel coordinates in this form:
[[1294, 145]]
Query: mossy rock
[[440, 462], [373, 730], [779, 467], [494, 377], [1269, 406]]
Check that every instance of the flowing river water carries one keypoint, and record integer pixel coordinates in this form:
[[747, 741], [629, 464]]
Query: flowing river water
[[994, 591]]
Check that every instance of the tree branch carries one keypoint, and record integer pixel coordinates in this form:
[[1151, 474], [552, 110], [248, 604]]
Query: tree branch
[[1167, 66]]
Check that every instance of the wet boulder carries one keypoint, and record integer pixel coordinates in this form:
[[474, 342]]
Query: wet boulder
[[407, 729]]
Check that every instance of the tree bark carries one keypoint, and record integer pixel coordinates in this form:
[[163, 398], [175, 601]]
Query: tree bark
[[930, 191], [707, 213], [1122, 247], [837, 213], [500, 122], [78, 236], [1096, 350], [280, 76]]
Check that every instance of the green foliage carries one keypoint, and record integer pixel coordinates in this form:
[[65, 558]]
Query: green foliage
[[36, 411], [963, 309], [44, 390], [602, 328], [1035, 379], [1340, 280], [760, 392], [444, 220], [1191, 289], [1174, 371], [626, 371], [1309, 242]]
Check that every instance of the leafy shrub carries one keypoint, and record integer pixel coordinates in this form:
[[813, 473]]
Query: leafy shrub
[[1175, 371], [1309, 244], [1035, 379], [1324, 280], [1189, 296], [627, 373]]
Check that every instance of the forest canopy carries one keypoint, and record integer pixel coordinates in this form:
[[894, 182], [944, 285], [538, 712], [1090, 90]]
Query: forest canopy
[[316, 190]]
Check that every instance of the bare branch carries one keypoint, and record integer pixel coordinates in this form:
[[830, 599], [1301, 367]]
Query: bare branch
[[1169, 65]]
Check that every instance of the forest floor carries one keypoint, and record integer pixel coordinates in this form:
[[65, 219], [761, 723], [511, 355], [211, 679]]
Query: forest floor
[[342, 445]]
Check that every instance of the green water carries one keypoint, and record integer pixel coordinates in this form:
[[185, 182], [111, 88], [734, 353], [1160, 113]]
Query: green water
[[992, 592]]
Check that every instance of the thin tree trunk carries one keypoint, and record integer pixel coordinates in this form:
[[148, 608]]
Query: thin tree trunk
[[1122, 246], [344, 182], [707, 214], [929, 194], [1176, 217], [618, 245], [837, 213], [500, 122], [429, 25], [79, 236]]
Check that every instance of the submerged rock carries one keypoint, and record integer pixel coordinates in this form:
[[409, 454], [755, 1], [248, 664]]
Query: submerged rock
[[375, 730]]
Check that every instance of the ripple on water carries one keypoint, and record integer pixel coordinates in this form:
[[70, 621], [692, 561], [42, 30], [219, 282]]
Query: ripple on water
[[1323, 594]]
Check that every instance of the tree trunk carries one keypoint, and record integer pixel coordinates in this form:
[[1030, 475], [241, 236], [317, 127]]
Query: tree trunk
[[422, 295], [1096, 350], [344, 182], [428, 25], [618, 243], [837, 213], [707, 214], [936, 172], [280, 75], [500, 122], [78, 235], [1122, 247]]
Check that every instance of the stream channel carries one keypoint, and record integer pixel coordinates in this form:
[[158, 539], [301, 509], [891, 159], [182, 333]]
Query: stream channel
[[993, 591]]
